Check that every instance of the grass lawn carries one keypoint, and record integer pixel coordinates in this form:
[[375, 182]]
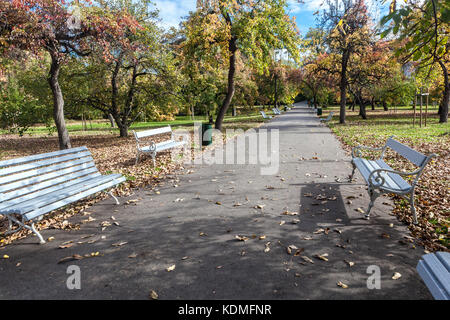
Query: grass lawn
[[433, 191], [102, 126]]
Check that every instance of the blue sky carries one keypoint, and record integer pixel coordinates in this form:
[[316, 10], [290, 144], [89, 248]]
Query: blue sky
[[172, 11]]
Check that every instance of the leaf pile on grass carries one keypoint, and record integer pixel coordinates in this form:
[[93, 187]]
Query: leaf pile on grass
[[111, 155], [433, 189]]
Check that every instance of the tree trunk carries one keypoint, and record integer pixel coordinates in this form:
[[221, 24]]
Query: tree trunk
[[231, 84], [111, 120], [385, 106], [443, 115], [123, 131], [362, 107], [373, 104], [362, 110], [276, 92], [343, 85], [58, 103]]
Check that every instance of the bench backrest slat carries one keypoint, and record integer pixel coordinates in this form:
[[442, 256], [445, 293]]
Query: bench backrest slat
[[22, 200], [48, 176], [35, 190], [42, 163], [412, 155], [149, 133], [18, 161], [41, 171]]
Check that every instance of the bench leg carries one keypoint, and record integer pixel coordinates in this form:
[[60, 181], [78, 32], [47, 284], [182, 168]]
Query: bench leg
[[413, 208], [137, 158], [154, 160], [112, 196], [23, 225], [41, 240], [353, 172], [373, 196]]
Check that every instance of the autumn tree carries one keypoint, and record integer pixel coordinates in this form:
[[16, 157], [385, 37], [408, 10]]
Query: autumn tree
[[346, 22], [62, 31], [423, 30], [253, 28], [138, 75]]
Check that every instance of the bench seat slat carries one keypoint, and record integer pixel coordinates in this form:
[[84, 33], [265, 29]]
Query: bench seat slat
[[42, 163], [47, 199], [74, 198], [163, 146], [45, 177], [392, 181], [435, 272], [18, 161], [371, 166], [412, 155], [25, 199], [403, 185], [42, 171]]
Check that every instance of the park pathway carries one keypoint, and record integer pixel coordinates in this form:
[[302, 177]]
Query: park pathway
[[192, 224]]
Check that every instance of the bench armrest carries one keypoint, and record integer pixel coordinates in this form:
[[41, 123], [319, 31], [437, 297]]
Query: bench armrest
[[356, 151], [376, 176]]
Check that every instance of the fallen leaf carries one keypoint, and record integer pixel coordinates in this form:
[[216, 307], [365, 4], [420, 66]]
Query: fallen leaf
[[307, 259], [171, 268], [342, 285], [153, 295], [119, 244], [396, 276], [322, 256]]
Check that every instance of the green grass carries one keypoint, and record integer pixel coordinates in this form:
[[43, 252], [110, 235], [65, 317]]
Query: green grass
[[104, 127], [383, 124]]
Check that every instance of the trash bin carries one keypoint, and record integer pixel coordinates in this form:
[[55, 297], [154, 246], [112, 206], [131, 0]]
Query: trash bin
[[206, 135], [319, 111]]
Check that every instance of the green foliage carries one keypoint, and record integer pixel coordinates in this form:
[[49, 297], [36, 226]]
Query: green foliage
[[18, 111]]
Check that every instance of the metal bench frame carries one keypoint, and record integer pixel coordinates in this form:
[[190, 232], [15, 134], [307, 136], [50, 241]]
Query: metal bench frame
[[153, 148], [376, 180], [328, 119], [33, 186], [265, 116], [276, 111]]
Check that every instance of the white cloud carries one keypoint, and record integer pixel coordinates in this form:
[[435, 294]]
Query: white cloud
[[171, 12]]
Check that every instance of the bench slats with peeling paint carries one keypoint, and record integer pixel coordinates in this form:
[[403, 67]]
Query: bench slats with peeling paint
[[33, 186], [153, 148], [434, 269], [381, 178]]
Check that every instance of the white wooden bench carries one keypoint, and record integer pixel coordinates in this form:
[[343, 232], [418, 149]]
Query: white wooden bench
[[33, 186], [327, 119], [276, 111], [381, 178], [153, 148], [265, 116], [434, 269]]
